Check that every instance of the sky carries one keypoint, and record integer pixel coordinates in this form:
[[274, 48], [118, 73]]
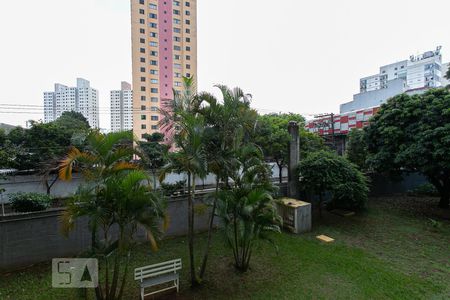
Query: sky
[[291, 55]]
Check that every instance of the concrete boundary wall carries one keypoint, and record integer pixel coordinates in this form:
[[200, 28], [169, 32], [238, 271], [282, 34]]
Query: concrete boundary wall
[[26, 239]]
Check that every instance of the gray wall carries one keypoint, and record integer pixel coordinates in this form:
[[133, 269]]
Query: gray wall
[[31, 238], [374, 98], [381, 185], [62, 189]]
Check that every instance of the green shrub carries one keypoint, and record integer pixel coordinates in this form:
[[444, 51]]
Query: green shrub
[[170, 188], [29, 202], [324, 171], [426, 189]]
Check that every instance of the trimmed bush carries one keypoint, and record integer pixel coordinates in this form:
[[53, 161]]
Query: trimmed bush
[[426, 189], [29, 202], [324, 171]]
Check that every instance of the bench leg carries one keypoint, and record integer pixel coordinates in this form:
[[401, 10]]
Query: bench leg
[[142, 293], [178, 285]]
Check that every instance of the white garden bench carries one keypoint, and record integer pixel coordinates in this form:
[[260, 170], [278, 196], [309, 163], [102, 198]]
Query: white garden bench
[[158, 274]]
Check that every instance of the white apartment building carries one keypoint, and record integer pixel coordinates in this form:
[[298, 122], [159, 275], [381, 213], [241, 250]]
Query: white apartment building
[[122, 108], [412, 76], [82, 98]]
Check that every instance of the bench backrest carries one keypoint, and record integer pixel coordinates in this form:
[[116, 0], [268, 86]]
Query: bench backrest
[[171, 266]]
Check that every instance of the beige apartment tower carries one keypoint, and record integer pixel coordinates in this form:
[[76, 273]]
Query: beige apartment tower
[[164, 49]]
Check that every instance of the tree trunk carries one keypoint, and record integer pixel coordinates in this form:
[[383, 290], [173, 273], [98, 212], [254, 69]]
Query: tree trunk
[[280, 172], [191, 232], [210, 229], [320, 204], [443, 188]]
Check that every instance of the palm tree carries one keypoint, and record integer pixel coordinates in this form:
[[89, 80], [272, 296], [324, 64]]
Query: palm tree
[[182, 120], [247, 209], [227, 124], [113, 195]]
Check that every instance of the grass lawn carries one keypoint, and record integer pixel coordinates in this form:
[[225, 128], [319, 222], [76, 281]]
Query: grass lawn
[[393, 251]]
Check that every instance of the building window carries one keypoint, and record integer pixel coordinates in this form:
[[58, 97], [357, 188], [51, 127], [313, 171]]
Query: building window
[[142, 12], [188, 30], [143, 98], [154, 90], [154, 80], [153, 25], [142, 79], [142, 88], [143, 126], [177, 57], [188, 13], [188, 75], [153, 44], [153, 62], [142, 50], [153, 6], [154, 127], [142, 21], [142, 30], [142, 2], [176, 30], [153, 34], [177, 48], [176, 12], [142, 41], [154, 53], [154, 72], [154, 108], [154, 99], [188, 40], [155, 118], [176, 21], [177, 39], [142, 59], [143, 117], [153, 16], [142, 69], [143, 107], [188, 22], [188, 48], [188, 67], [188, 57]]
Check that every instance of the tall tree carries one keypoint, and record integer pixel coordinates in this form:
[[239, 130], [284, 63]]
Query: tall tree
[[153, 153], [228, 124], [181, 118], [412, 134]]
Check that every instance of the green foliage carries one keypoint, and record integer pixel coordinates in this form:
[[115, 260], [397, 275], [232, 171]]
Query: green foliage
[[115, 195], [426, 189], [412, 134], [247, 209], [153, 152], [356, 151], [29, 202], [324, 171], [170, 188]]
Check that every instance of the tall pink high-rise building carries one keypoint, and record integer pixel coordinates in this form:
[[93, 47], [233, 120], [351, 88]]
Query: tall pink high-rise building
[[164, 48]]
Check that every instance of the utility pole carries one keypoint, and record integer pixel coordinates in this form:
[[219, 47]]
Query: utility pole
[[326, 124]]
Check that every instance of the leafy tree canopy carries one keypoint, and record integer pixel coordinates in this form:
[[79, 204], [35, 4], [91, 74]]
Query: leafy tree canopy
[[412, 134], [356, 151], [273, 137]]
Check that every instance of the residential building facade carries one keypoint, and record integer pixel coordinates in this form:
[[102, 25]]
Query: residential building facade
[[122, 108], [164, 49], [82, 98], [416, 75]]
